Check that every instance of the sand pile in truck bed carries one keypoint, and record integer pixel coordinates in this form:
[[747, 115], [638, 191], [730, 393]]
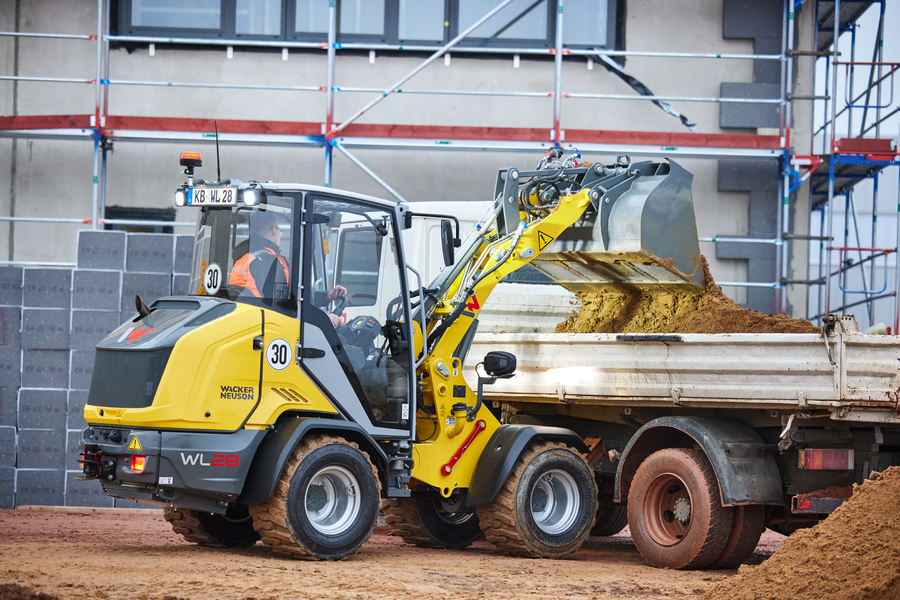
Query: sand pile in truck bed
[[674, 312], [854, 554]]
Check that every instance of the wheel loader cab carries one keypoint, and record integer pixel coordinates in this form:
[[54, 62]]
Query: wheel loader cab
[[292, 254]]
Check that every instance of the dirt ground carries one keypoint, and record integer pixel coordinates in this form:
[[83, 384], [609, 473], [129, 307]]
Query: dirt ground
[[113, 554]]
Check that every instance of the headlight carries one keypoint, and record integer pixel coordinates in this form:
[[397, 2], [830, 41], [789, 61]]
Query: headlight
[[250, 197], [180, 198]]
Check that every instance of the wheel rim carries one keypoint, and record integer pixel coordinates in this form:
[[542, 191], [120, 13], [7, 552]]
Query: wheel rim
[[555, 502], [332, 501], [668, 509]]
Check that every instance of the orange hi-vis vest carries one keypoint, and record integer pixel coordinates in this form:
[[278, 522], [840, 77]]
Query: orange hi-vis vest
[[241, 275]]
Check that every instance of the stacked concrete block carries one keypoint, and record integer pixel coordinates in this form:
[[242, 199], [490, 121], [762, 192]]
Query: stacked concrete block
[[41, 423], [40, 487], [10, 377], [148, 270], [7, 487], [10, 356], [104, 250], [86, 493], [7, 466], [184, 248], [50, 322]]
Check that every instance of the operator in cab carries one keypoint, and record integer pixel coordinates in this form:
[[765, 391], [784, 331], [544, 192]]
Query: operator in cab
[[261, 269]]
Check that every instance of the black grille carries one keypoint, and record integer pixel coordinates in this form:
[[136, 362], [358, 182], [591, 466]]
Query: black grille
[[127, 379]]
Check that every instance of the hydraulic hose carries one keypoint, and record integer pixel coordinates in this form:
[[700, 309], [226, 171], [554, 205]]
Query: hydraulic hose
[[470, 289]]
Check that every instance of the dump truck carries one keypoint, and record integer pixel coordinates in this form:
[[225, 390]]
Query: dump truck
[[314, 375], [743, 430]]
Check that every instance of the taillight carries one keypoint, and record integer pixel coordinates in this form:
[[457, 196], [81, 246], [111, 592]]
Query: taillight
[[137, 462], [819, 459]]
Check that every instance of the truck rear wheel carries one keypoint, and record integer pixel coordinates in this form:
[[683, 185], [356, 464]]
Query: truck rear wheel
[[674, 512], [325, 503], [231, 530], [546, 507], [747, 527], [610, 520], [431, 523]]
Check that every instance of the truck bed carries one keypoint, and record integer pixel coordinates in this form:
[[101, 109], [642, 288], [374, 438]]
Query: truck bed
[[854, 376]]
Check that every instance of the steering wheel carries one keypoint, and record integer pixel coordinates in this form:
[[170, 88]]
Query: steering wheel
[[340, 303], [394, 308]]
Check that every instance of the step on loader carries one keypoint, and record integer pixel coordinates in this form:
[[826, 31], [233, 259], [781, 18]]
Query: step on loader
[[311, 377]]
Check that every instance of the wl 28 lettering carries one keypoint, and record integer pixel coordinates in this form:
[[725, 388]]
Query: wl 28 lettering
[[218, 460]]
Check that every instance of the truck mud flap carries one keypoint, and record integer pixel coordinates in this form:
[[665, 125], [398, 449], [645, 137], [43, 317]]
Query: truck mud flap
[[746, 473], [502, 452]]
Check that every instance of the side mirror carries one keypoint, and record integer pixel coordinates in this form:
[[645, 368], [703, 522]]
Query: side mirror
[[447, 242], [499, 364]]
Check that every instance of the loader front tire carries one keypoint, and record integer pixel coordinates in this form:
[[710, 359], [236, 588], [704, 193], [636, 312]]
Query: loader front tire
[[234, 529], [431, 523], [674, 512], [546, 507], [325, 503]]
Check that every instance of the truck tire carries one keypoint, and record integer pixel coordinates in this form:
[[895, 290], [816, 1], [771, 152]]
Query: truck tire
[[747, 527], [676, 519], [546, 507], [431, 523], [234, 529], [610, 520], [325, 503]]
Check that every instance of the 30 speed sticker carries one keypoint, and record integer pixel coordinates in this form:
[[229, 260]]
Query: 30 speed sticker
[[212, 279], [279, 354]]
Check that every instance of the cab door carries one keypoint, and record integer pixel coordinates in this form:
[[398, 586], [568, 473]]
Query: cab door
[[368, 379]]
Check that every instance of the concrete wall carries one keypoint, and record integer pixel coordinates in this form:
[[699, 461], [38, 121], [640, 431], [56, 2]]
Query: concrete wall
[[53, 177]]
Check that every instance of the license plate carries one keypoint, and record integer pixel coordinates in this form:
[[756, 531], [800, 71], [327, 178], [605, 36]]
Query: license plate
[[212, 196]]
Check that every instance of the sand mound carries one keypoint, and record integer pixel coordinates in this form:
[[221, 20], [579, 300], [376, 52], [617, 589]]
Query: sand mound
[[674, 312], [854, 554]]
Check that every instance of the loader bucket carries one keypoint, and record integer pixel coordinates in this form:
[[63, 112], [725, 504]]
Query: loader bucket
[[640, 234]]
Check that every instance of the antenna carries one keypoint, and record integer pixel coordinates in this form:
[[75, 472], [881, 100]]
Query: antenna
[[218, 164]]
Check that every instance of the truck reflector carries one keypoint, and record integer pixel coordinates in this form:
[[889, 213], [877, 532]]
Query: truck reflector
[[818, 459]]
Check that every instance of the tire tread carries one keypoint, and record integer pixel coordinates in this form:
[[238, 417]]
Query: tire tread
[[498, 519], [270, 518]]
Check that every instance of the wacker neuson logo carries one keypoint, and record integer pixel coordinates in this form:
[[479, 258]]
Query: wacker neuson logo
[[236, 392]]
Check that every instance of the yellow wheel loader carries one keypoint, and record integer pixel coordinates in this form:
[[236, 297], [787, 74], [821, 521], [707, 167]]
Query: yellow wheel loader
[[311, 375]]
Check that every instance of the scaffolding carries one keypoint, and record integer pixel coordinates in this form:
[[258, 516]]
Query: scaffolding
[[845, 162], [103, 129]]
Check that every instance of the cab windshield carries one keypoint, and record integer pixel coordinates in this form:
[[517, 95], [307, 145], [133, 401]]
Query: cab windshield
[[247, 254]]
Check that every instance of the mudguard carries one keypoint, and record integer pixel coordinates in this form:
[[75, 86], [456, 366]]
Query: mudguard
[[746, 473], [276, 448], [503, 450]]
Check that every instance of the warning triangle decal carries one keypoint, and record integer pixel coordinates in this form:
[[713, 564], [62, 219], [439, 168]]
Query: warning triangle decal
[[135, 444], [543, 240]]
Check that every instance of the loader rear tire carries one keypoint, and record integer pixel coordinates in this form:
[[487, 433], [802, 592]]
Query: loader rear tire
[[610, 520], [234, 529], [676, 519], [546, 507], [431, 523], [746, 529], [325, 503]]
